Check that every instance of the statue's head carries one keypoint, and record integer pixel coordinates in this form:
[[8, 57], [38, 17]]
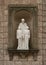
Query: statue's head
[[22, 20]]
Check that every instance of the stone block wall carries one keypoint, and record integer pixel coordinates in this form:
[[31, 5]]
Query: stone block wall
[[44, 32], [41, 58]]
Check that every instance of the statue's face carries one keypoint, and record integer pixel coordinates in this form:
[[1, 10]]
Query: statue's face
[[23, 20]]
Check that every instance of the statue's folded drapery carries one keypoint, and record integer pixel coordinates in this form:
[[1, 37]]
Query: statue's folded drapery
[[23, 39], [23, 35]]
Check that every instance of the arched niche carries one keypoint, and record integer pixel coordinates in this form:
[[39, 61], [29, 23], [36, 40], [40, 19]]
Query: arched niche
[[29, 13]]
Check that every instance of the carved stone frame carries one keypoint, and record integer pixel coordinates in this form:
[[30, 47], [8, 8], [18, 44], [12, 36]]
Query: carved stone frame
[[11, 49]]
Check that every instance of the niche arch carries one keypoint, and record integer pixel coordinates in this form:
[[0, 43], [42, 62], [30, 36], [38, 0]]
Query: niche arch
[[15, 15]]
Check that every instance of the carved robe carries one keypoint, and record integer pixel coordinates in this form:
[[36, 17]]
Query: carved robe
[[23, 35]]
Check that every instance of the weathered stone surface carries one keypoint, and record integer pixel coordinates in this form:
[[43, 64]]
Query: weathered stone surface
[[8, 62], [1, 41], [44, 62], [44, 24], [44, 18], [16, 58], [1, 62], [40, 12], [39, 40], [35, 63], [44, 35], [1, 2], [1, 54], [1, 35], [39, 35], [3, 24], [4, 33], [5, 47], [6, 18], [5, 29], [1, 45], [39, 1], [44, 1], [44, 7], [1, 29], [44, 46], [5, 40], [40, 18], [1, 14], [40, 6], [44, 29], [20, 2], [40, 29], [40, 53], [40, 45], [23, 62], [6, 57], [44, 40], [44, 13]]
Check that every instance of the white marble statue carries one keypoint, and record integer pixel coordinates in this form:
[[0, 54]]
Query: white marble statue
[[23, 36]]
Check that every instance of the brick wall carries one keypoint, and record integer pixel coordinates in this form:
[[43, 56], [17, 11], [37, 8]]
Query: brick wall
[[4, 58]]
